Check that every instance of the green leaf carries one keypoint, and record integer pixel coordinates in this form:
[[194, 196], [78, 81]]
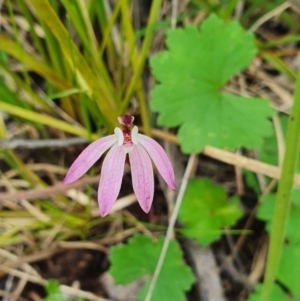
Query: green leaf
[[205, 210], [191, 75], [139, 257], [53, 291], [289, 267], [52, 287], [266, 210], [277, 294]]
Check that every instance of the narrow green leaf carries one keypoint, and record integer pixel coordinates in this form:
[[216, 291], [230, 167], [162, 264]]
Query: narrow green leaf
[[43, 119], [135, 81], [31, 97], [278, 64], [65, 93], [12, 48], [86, 77]]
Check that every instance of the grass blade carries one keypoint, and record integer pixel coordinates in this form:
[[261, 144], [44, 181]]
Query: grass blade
[[86, 76]]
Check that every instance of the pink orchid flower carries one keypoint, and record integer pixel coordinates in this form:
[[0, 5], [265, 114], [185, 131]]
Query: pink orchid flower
[[125, 142]]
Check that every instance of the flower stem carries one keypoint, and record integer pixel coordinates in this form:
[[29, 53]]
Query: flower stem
[[283, 195], [155, 9]]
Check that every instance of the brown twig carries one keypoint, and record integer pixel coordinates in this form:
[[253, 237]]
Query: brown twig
[[82, 245], [41, 143], [48, 191], [232, 159], [9, 295], [52, 250], [259, 262], [239, 178], [64, 288], [42, 255]]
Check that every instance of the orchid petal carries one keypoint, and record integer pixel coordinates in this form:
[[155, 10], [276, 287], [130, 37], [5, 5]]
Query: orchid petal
[[160, 159], [142, 176], [111, 178], [88, 157]]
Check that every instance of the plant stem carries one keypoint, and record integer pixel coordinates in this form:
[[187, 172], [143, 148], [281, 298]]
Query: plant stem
[[283, 195]]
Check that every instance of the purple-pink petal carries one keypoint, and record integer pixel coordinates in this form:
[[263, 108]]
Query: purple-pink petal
[[160, 159], [142, 176], [88, 157], [111, 178]]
